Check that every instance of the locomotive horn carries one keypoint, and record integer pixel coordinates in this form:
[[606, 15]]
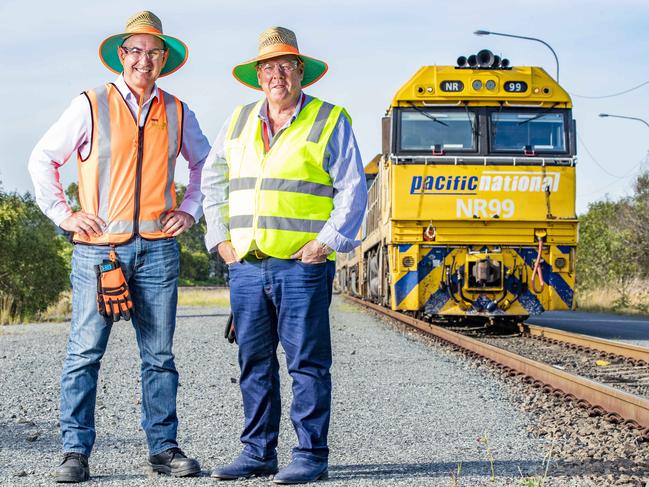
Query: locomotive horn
[[496, 62], [461, 61], [485, 58], [472, 60], [504, 63]]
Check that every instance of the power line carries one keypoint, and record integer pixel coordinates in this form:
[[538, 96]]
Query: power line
[[633, 172], [594, 159], [599, 190], [612, 94]]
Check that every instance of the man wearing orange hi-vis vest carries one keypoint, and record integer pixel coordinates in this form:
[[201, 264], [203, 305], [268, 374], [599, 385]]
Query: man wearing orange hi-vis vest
[[284, 188], [126, 135]]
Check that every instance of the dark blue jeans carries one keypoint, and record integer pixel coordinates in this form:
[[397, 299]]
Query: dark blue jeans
[[151, 268], [283, 301]]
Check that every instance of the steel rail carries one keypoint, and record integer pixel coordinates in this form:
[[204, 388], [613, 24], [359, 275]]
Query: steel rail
[[620, 405], [607, 346]]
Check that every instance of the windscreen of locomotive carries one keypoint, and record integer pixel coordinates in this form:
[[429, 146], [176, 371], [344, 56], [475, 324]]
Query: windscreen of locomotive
[[517, 131], [424, 131]]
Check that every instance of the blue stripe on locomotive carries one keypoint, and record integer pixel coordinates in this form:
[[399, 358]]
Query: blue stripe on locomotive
[[439, 298], [553, 279], [411, 279]]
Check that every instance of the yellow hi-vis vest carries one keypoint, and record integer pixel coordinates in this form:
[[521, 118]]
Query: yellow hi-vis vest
[[127, 178], [280, 199]]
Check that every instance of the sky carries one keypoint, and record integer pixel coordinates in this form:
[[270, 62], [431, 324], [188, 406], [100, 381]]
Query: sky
[[49, 53]]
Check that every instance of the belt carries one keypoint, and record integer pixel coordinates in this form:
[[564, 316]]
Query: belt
[[256, 254]]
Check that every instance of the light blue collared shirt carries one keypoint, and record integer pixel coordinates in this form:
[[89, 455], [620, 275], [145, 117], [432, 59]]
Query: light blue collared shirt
[[342, 162]]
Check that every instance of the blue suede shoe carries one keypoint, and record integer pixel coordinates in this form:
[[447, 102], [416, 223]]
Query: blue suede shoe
[[245, 467], [302, 470]]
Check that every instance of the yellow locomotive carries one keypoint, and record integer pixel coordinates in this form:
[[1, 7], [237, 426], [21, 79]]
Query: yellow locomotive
[[471, 213]]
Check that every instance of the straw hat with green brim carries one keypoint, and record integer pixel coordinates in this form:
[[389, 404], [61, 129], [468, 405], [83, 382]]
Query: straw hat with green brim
[[144, 22], [274, 42]]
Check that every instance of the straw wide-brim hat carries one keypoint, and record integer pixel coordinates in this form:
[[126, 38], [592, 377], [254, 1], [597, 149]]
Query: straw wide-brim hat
[[144, 22], [274, 42]]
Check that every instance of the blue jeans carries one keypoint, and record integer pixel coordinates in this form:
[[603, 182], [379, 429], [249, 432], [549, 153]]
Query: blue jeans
[[283, 301], [151, 269]]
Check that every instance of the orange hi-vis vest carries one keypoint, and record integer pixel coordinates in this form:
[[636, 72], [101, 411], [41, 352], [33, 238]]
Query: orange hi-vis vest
[[127, 179]]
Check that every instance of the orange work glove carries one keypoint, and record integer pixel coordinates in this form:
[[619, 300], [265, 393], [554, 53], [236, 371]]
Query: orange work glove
[[113, 297]]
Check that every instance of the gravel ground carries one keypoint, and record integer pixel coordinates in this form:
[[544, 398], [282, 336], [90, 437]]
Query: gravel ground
[[579, 449], [404, 412]]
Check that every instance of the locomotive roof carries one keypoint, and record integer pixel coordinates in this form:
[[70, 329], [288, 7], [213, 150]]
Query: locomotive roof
[[451, 85]]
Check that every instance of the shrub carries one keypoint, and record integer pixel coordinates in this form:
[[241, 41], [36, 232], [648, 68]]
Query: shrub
[[197, 265], [33, 265]]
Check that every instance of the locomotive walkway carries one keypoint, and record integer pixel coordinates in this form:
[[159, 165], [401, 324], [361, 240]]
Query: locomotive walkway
[[404, 412]]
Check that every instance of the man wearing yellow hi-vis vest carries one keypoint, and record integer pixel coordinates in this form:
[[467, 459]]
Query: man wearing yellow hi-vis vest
[[284, 190]]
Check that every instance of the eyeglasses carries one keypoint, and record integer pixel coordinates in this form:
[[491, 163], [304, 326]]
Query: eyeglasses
[[137, 53], [284, 67]]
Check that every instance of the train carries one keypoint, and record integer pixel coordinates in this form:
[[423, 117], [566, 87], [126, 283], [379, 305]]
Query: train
[[471, 204]]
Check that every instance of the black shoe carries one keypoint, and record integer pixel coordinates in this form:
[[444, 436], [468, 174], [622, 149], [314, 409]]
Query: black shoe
[[174, 462], [73, 468]]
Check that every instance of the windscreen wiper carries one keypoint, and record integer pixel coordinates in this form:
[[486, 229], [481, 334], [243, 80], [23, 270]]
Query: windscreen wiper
[[427, 115], [535, 117], [474, 128]]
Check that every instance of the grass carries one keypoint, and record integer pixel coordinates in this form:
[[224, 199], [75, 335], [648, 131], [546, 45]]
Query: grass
[[190, 296], [609, 299], [484, 441], [59, 311], [62, 309], [6, 318], [534, 481]]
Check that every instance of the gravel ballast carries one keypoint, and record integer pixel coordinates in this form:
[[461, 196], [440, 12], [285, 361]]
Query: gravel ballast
[[405, 412], [581, 449]]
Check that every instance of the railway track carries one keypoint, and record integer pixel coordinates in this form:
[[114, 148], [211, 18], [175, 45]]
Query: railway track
[[617, 405], [610, 349], [620, 365]]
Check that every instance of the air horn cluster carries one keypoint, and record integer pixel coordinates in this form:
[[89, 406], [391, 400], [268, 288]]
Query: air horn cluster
[[485, 59]]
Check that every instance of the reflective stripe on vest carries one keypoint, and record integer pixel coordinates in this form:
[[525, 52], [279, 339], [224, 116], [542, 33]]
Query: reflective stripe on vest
[[280, 199], [126, 161]]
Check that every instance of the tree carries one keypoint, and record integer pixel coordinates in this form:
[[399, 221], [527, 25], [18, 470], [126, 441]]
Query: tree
[[606, 254], [197, 265], [635, 216], [72, 194], [33, 267]]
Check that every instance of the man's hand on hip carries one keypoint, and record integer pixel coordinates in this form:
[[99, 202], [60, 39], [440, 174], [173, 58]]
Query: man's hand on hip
[[313, 252], [227, 252], [85, 224], [176, 222]]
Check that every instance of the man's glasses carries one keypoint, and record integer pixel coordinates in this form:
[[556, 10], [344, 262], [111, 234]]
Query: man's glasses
[[137, 53], [284, 67]]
